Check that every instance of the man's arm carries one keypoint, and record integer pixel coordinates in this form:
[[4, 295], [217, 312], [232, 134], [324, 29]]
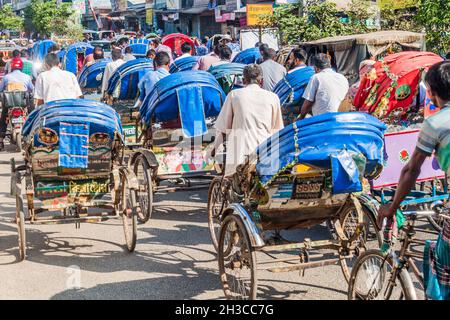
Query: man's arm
[[306, 108], [105, 80], [310, 96], [407, 180]]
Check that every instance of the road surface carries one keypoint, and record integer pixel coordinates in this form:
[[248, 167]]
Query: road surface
[[174, 257]]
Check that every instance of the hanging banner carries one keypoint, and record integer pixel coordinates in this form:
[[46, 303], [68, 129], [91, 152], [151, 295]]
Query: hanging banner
[[149, 16], [255, 11]]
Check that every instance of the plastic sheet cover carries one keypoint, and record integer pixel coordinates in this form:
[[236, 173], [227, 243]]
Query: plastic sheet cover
[[73, 145], [331, 141], [70, 60], [101, 117], [162, 103], [291, 88], [183, 64], [248, 56], [190, 103], [91, 76]]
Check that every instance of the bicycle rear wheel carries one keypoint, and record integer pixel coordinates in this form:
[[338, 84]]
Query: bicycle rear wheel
[[372, 279]]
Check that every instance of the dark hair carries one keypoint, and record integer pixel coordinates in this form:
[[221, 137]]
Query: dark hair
[[321, 61], [264, 50], [51, 60], [162, 58], [53, 48], [122, 41], [258, 44], [24, 53], [300, 54], [128, 50], [16, 53], [157, 41], [186, 47], [149, 52], [253, 73], [438, 79], [116, 54], [205, 41], [225, 52], [98, 56], [113, 43]]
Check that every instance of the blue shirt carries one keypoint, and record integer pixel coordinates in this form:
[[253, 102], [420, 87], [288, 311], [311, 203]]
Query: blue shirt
[[16, 81], [149, 80], [201, 50]]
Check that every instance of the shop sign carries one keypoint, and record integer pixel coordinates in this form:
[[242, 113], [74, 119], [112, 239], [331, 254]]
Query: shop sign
[[256, 11]]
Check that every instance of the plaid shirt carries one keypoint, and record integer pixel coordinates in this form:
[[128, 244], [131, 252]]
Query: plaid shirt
[[27, 67]]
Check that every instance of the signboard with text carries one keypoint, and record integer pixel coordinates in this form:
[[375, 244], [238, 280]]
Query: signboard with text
[[397, 4], [256, 11]]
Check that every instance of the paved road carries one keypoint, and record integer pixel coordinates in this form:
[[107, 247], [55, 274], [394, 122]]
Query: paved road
[[174, 258]]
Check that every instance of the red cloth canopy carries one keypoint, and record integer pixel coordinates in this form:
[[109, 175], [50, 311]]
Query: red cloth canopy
[[175, 40], [390, 89]]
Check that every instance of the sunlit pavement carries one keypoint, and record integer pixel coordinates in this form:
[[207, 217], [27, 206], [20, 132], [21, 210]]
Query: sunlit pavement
[[174, 257]]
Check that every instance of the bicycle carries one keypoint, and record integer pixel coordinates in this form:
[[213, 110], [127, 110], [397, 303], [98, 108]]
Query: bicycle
[[379, 275]]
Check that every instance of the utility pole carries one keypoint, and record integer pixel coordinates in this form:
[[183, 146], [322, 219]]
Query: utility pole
[[301, 8]]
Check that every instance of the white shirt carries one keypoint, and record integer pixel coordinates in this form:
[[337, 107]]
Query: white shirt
[[220, 62], [128, 57], [326, 89], [184, 55], [249, 116], [109, 70], [56, 84]]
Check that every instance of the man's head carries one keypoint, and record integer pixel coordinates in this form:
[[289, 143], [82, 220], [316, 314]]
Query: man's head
[[225, 53], [186, 48], [226, 39], [116, 54], [265, 52], [16, 64], [162, 60], [128, 50], [272, 53], [51, 60], [320, 62], [156, 42], [205, 40], [437, 81], [54, 48], [151, 54], [297, 57], [258, 44], [16, 53], [253, 74], [98, 53], [24, 54], [123, 43]]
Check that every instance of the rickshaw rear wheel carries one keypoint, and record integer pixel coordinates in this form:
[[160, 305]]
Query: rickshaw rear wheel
[[215, 208], [370, 237], [240, 259], [127, 209], [145, 197], [20, 220]]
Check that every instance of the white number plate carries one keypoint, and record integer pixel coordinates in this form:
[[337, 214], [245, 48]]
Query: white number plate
[[17, 120]]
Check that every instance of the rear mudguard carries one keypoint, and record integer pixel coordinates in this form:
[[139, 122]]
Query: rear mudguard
[[149, 156], [252, 230], [369, 203]]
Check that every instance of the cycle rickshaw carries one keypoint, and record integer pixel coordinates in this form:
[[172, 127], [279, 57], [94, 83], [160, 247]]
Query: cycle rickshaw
[[91, 77], [229, 75], [74, 170], [176, 118], [74, 56], [183, 64], [309, 173], [122, 93]]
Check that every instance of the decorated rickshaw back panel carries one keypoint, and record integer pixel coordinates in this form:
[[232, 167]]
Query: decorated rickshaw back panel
[[399, 149]]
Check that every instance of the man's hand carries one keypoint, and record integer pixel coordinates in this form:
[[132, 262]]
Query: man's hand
[[386, 211]]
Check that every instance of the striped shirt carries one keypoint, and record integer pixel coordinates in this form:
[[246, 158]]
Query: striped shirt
[[435, 136]]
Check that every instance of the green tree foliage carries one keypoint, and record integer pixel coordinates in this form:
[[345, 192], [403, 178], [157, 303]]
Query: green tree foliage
[[9, 20], [434, 16], [46, 17]]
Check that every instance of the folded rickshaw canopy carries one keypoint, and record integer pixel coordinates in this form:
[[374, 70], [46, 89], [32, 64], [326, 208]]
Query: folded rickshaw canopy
[[330, 141], [91, 76], [190, 95], [248, 56]]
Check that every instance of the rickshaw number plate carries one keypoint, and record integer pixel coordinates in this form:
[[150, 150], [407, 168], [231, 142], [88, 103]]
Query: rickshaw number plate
[[17, 120], [308, 188]]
